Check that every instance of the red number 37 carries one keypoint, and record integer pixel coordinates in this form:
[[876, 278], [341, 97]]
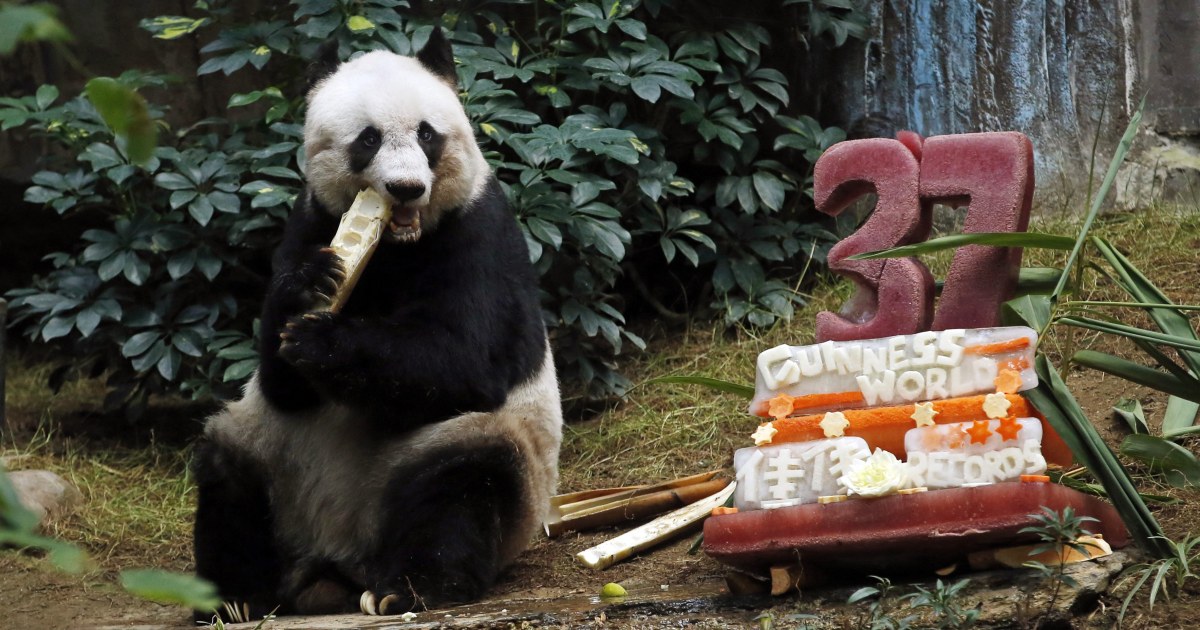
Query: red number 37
[[989, 173]]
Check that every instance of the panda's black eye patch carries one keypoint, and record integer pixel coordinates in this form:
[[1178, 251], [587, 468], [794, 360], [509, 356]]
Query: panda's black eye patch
[[364, 148], [425, 132], [431, 142]]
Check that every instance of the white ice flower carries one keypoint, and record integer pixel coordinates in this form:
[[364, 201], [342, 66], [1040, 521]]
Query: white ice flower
[[879, 475]]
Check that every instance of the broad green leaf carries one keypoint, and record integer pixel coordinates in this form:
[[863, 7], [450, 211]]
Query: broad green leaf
[[770, 189], [125, 112], [727, 387], [954, 241], [139, 343], [358, 23], [172, 26], [166, 587], [29, 23], [87, 321], [57, 327]]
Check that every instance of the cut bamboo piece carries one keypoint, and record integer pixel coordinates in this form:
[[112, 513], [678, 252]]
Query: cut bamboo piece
[[357, 237], [596, 508], [659, 530]]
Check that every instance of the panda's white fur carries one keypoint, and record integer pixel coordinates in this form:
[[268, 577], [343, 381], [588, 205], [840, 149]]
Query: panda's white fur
[[364, 92], [331, 470], [295, 476]]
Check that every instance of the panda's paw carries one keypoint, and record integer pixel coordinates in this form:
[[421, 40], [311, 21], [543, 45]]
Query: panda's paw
[[391, 604], [318, 277], [307, 340]]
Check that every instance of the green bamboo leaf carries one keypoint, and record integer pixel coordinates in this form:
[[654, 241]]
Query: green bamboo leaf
[[1171, 322], [1130, 410], [954, 241], [171, 588], [1139, 374], [1132, 332], [1037, 280], [1176, 462], [711, 383], [1180, 417], [1062, 411], [1118, 157], [1028, 310]]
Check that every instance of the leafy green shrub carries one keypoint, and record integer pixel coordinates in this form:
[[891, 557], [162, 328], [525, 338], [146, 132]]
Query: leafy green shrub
[[635, 139]]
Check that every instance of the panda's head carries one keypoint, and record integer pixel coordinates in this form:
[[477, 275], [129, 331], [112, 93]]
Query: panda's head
[[395, 124]]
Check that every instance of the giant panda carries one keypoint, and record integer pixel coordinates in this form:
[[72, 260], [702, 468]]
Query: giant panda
[[400, 453]]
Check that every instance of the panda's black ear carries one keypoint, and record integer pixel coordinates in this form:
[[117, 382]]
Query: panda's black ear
[[325, 63], [438, 57]]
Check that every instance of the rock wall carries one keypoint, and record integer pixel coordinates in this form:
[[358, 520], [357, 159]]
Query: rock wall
[[1048, 68]]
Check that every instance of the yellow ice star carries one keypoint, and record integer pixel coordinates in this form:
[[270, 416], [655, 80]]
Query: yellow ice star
[[834, 424], [923, 413], [763, 434], [996, 405]]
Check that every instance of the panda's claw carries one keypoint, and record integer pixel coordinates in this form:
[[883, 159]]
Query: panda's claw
[[390, 600], [312, 317], [366, 603]]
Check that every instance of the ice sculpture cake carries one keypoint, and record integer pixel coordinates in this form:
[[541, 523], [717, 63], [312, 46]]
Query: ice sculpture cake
[[906, 451]]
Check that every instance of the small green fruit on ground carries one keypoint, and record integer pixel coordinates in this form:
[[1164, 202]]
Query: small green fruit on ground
[[612, 589]]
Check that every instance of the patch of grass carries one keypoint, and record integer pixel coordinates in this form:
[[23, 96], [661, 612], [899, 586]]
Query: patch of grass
[[30, 402], [137, 502]]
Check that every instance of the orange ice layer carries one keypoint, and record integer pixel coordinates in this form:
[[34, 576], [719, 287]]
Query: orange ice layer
[[1000, 347], [815, 401], [884, 427]]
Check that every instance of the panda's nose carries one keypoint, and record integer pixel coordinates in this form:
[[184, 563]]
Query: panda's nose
[[406, 191]]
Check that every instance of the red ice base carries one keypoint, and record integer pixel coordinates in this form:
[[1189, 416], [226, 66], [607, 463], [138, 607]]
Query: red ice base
[[927, 530]]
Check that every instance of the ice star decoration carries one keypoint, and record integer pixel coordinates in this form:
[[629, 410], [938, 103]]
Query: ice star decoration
[[980, 431], [764, 434], [834, 424], [879, 475], [1009, 428], [923, 414], [996, 405], [780, 406]]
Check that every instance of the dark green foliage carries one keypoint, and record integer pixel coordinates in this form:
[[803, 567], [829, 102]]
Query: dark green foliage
[[644, 140]]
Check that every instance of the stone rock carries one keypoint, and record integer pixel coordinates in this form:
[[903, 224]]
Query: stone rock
[[44, 493], [1014, 598]]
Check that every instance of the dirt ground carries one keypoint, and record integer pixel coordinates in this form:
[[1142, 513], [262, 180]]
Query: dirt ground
[[40, 597]]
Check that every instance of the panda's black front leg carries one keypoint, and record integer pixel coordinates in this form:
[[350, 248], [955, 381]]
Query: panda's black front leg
[[444, 518], [304, 283], [234, 531]]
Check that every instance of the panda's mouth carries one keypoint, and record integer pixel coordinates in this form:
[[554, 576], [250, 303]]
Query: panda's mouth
[[405, 225]]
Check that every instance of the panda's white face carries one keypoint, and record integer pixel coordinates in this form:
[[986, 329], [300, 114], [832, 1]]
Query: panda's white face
[[385, 121]]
